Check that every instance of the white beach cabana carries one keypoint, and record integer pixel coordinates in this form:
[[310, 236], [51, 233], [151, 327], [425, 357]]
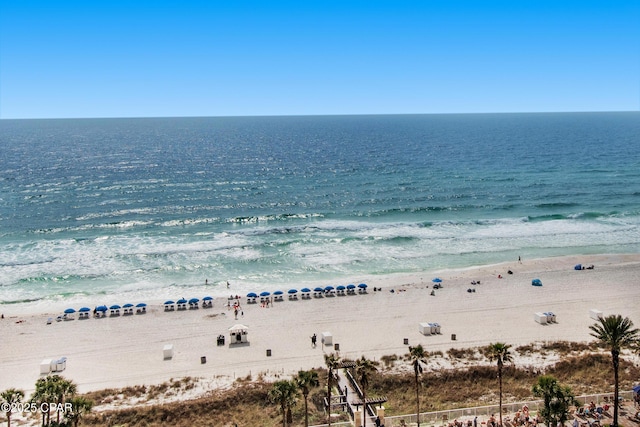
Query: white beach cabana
[[238, 334], [327, 338], [540, 318], [424, 328]]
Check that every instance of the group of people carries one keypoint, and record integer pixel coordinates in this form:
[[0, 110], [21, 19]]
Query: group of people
[[236, 308], [522, 417]]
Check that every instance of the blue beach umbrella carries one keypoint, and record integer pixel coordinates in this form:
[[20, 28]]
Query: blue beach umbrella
[[115, 307], [362, 286], [101, 308], [194, 300], [141, 304], [69, 311], [84, 309], [127, 305], [278, 293], [341, 288], [318, 290], [182, 301], [351, 286], [292, 291], [437, 280], [328, 288], [252, 295], [264, 294], [169, 302], [207, 299], [305, 290]]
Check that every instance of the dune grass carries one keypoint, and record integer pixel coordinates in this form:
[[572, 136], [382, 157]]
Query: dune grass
[[584, 368]]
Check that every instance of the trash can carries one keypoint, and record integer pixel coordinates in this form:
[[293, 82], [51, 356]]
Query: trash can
[[453, 337], [336, 347], [203, 360], [406, 341], [268, 352]]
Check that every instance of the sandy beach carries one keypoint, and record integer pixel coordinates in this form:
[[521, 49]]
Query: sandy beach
[[114, 352]]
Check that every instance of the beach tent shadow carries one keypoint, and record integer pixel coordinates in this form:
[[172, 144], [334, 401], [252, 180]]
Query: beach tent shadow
[[239, 344]]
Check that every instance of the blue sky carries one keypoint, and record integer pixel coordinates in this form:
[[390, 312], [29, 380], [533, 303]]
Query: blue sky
[[238, 58]]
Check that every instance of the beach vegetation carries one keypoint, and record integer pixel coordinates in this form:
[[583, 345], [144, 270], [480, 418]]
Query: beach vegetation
[[57, 393], [9, 398], [332, 361], [418, 357], [245, 403], [499, 352], [52, 389], [389, 360], [463, 353], [616, 333], [284, 393], [306, 381], [558, 400], [79, 407]]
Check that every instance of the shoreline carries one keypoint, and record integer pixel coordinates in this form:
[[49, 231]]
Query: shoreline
[[128, 350]]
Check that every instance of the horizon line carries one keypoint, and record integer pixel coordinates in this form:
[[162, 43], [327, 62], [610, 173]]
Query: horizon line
[[319, 115]]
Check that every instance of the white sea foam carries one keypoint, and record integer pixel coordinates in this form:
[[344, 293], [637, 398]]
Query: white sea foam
[[151, 221]]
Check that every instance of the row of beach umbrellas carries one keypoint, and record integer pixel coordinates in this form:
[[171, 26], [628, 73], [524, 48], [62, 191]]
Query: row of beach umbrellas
[[187, 301], [307, 290], [103, 308]]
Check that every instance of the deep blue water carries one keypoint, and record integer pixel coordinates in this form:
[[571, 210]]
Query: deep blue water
[[151, 208]]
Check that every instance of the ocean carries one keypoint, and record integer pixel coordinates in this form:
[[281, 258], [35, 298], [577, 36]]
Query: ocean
[[105, 211]]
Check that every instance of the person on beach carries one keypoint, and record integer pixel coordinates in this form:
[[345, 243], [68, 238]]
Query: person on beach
[[228, 285], [313, 340]]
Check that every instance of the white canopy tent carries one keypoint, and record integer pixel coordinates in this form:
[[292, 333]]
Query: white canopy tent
[[239, 333]]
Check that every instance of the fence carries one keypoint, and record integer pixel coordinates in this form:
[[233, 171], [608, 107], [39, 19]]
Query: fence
[[442, 418]]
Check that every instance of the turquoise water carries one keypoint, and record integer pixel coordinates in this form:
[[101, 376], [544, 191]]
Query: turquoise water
[[121, 210]]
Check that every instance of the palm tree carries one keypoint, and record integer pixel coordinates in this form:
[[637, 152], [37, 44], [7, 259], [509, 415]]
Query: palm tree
[[79, 407], [616, 333], [557, 400], [306, 380], [333, 362], [42, 396], [418, 357], [63, 390], [11, 397], [500, 353], [364, 369], [52, 389], [284, 393]]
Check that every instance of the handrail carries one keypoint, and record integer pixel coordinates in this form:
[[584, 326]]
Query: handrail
[[393, 421]]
